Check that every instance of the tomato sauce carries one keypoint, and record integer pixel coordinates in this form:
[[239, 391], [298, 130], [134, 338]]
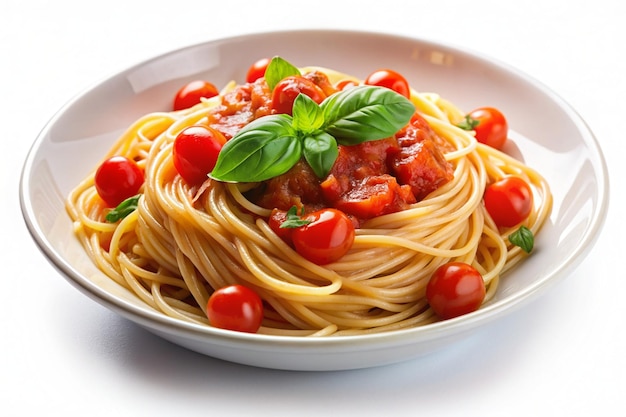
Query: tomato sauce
[[239, 107], [367, 180], [419, 160]]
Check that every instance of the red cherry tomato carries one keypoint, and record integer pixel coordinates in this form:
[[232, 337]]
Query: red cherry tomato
[[454, 289], [327, 238], [276, 219], [343, 84], [117, 179], [289, 88], [190, 94], [509, 201], [235, 307], [195, 152], [257, 70], [492, 128], [390, 79]]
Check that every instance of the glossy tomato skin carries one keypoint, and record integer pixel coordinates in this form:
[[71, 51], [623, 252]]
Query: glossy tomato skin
[[492, 128], [276, 219], [235, 307], [289, 88], [117, 179], [454, 289], [509, 201], [195, 152], [390, 79], [191, 93], [345, 84], [257, 70], [327, 238]]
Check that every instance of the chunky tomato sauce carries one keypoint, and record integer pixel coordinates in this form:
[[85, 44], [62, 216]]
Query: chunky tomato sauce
[[239, 107], [367, 180]]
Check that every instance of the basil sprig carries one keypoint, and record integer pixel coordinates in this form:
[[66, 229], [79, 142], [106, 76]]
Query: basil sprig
[[270, 145]]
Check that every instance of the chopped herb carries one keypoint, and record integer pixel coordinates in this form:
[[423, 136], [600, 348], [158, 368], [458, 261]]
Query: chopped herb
[[294, 220], [469, 123]]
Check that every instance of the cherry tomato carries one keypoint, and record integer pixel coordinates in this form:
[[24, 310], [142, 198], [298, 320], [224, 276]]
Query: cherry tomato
[[390, 79], [195, 152], [289, 88], [276, 219], [117, 179], [344, 84], [509, 201], [235, 307], [190, 94], [454, 289], [328, 236], [492, 128], [257, 70]]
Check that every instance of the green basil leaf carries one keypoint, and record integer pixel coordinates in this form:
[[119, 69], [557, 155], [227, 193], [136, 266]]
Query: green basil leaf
[[524, 238], [263, 149], [365, 113], [123, 209], [293, 219], [468, 123], [277, 69], [307, 114], [320, 151]]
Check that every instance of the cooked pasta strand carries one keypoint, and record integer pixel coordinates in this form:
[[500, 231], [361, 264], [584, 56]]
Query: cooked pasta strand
[[182, 243]]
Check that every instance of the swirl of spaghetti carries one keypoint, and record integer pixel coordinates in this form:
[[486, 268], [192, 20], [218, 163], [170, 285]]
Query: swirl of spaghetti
[[182, 242]]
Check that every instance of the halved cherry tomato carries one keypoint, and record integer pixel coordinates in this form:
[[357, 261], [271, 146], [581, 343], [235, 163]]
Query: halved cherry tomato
[[289, 88], [195, 152], [190, 94], [491, 126], [454, 289], [117, 179], [235, 307], [509, 201], [328, 236], [257, 70], [390, 79]]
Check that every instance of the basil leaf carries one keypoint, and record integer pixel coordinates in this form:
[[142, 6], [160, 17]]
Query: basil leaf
[[468, 123], [320, 151], [524, 238], [365, 113], [123, 209], [307, 114], [293, 219], [263, 149], [277, 69]]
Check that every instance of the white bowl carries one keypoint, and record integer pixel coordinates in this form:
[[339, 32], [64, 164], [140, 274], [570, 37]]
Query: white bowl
[[547, 133]]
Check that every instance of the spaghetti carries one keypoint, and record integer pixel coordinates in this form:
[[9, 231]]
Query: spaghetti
[[182, 243]]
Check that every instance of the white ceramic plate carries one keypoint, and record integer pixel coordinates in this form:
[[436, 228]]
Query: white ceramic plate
[[547, 134]]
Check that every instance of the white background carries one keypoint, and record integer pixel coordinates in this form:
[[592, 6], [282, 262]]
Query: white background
[[63, 354]]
